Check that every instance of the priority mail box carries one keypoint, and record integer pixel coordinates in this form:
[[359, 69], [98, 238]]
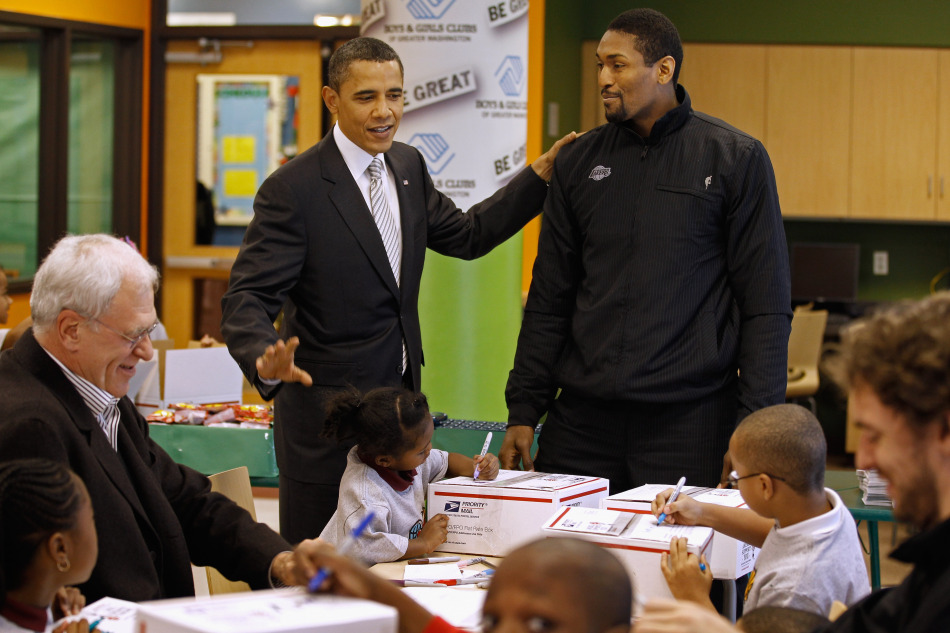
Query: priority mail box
[[491, 518], [290, 610], [196, 376], [635, 539], [731, 558]]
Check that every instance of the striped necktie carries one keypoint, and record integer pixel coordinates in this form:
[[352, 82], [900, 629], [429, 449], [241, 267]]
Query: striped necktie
[[387, 227], [381, 214]]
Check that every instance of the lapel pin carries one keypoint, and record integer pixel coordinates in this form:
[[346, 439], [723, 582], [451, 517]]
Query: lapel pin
[[405, 182]]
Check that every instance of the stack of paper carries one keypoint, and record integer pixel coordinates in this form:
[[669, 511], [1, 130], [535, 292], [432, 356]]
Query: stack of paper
[[874, 488]]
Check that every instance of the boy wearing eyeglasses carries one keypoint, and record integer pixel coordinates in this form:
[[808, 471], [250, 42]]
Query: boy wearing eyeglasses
[[811, 555]]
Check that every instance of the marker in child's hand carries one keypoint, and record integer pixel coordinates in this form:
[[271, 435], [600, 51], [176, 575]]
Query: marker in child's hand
[[325, 572], [478, 466], [676, 492], [92, 627]]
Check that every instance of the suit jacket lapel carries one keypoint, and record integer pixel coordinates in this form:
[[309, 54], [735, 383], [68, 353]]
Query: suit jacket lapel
[[50, 374], [403, 179], [346, 197]]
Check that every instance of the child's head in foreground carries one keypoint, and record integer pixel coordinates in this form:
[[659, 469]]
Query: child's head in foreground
[[47, 532], [781, 445], [780, 620], [390, 425], [559, 584]]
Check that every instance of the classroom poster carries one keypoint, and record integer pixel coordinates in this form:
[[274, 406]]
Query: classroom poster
[[466, 111]]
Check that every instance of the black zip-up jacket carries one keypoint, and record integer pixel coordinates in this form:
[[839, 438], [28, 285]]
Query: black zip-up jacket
[[920, 604], [662, 270]]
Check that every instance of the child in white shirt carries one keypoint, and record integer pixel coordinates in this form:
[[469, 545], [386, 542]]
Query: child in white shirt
[[811, 555], [388, 473]]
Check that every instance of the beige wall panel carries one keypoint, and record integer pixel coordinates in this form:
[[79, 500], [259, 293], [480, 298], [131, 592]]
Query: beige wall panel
[[894, 130], [727, 81], [808, 118]]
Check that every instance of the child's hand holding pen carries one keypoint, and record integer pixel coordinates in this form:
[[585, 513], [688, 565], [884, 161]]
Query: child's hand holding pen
[[486, 466], [683, 511], [349, 578]]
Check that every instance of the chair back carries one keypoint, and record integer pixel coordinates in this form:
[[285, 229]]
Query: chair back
[[236, 485], [807, 335]]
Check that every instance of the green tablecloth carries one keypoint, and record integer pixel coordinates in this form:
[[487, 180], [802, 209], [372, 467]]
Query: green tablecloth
[[212, 449]]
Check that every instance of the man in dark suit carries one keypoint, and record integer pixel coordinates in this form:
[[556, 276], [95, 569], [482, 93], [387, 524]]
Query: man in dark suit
[[316, 250], [62, 397]]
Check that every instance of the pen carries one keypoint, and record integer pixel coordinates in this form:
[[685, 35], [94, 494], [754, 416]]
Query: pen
[[471, 561], [325, 572], [452, 582], [415, 583], [676, 492], [92, 627], [478, 466], [432, 560]]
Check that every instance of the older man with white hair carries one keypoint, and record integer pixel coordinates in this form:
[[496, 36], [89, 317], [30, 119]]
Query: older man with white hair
[[63, 397]]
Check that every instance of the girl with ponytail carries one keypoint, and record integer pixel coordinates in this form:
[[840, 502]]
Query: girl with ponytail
[[388, 473]]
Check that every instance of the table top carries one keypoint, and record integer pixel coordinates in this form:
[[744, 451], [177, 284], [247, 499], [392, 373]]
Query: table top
[[460, 605], [845, 483]]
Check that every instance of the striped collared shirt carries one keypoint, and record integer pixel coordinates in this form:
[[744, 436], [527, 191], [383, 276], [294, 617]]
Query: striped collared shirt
[[104, 406]]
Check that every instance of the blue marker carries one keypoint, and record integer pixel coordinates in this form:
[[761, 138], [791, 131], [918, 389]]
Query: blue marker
[[702, 567], [92, 627], [325, 572], [676, 493]]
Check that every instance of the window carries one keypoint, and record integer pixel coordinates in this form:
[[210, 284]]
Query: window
[[70, 135]]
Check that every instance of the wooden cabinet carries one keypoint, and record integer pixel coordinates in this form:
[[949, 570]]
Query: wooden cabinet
[[808, 128], [853, 132], [894, 123], [727, 81], [942, 184]]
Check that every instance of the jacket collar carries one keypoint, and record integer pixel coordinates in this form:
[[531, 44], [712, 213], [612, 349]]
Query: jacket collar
[[927, 549], [669, 122]]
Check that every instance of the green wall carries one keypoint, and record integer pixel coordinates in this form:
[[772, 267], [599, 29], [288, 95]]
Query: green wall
[[917, 252]]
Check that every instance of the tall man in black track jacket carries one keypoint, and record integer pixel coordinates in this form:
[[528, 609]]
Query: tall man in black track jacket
[[660, 304]]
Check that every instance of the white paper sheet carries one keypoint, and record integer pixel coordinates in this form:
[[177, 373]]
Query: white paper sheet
[[431, 573], [646, 528], [459, 606], [118, 616]]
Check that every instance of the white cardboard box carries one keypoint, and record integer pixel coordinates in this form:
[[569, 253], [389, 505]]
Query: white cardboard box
[[636, 540], [731, 558], [491, 518], [197, 376], [271, 611]]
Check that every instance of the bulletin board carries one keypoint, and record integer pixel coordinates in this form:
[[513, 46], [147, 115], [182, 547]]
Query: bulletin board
[[246, 129]]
